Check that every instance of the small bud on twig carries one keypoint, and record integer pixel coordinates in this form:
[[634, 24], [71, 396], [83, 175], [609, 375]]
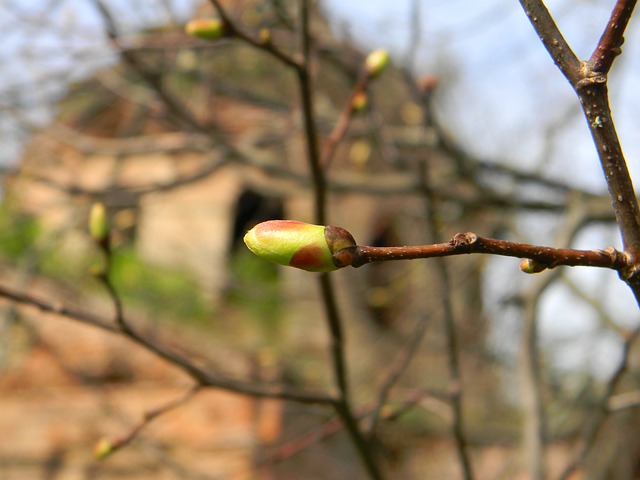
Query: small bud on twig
[[265, 36], [359, 101], [529, 265], [298, 244], [206, 28], [103, 449], [98, 224], [376, 62]]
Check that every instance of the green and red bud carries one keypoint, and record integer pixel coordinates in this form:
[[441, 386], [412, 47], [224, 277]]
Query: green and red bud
[[206, 28], [376, 62], [298, 244]]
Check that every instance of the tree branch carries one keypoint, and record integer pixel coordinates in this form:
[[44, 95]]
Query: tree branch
[[467, 243], [593, 96], [204, 378], [590, 83], [612, 38], [234, 30], [334, 321], [552, 39], [602, 408]]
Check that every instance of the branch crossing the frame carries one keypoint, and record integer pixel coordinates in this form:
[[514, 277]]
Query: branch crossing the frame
[[317, 248]]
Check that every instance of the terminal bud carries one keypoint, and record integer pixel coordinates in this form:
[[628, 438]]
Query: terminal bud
[[376, 62], [298, 244]]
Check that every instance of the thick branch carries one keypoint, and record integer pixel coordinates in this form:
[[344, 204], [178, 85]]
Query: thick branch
[[590, 83], [594, 99]]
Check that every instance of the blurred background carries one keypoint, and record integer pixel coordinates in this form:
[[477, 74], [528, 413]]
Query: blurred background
[[190, 143]]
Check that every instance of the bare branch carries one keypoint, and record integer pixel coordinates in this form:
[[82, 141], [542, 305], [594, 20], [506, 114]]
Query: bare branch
[[602, 409], [179, 110], [609, 46], [591, 87], [341, 126], [235, 30], [624, 401], [552, 39], [114, 445], [466, 243], [334, 321], [202, 377]]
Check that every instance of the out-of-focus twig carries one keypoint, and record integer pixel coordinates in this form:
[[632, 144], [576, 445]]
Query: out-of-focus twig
[[397, 369], [604, 406], [109, 447], [178, 109], [623, 401], [334, 321], [204, 378], [453, 354], [235, 30]]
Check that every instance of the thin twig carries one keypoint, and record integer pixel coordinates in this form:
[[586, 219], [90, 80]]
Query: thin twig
[[534, 431], [124, 440], [602, 410], [451, 335], [397, 369], [469, 243], [341, 126], [233, 29], [204, 378], [624, 401], [334, 321], [176, 107], [609, 46], [335, 424], [553, 40]]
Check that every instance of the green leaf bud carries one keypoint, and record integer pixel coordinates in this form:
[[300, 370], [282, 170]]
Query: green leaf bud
[[359, 101], [103, 449], [376, 62], [98, 223], [529, 265], [298, 244], [265, 36], [206, 28]]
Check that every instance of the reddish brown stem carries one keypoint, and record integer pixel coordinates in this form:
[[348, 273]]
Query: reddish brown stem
[[342, 125], [612, 38], [466, 243], [589, 80]]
